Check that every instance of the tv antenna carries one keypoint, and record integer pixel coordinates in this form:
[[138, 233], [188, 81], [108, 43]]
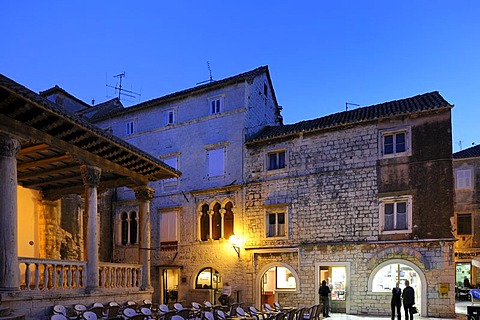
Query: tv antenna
[[210, 71], [122, 91], [350, 104]]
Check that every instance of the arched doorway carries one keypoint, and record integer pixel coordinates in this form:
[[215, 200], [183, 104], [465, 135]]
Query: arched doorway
[[272, 279], [384, 277]]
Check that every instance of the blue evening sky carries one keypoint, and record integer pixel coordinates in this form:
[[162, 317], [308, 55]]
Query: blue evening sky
[[321, 54]]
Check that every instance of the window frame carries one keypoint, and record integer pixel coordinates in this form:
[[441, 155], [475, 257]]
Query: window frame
[[210, 153], [393, 132], [464, 179], [395, 200], [171, 240], [127, 236], [217, 108], [470, 225], [130, 127], [277, 161], [166, 117], [276, 210]]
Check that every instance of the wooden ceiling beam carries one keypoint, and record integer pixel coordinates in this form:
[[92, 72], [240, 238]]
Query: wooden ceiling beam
[[43, 162]]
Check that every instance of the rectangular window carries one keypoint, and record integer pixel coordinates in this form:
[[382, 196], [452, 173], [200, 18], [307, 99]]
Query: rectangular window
[[463, 179], [130, 127], [396, 214], [172, 183], [215, 105], [464, 224], [276, 224], [169, 117], [216, 162], [394, 143], [276, 160], [168, 230]]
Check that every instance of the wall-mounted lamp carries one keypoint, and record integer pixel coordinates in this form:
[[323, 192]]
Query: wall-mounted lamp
[[236, 242]]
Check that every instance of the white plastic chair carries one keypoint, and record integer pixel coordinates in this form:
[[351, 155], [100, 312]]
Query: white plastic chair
[[178, 306], [240, 312], [177, 317], [163, 308], [208, 316], [147, 313], [58, 317], [89, 315]]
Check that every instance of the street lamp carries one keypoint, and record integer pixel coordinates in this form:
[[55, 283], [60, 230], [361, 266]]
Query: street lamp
[[236, 242]]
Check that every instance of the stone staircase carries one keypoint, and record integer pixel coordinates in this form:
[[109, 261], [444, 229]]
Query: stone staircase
[[7, 314]]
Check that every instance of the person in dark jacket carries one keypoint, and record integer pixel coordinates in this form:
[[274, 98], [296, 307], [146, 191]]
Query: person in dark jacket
[[324, 292], [408, 297], [396, 302]]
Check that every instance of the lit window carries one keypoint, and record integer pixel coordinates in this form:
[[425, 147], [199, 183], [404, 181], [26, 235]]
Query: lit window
[[386, 278], [276, 224], [279, 279], [169, 117], [216, 162], [396, 214], [463, 179], [395, 143], [130, 127], [216, 220], [208, 278], [464, 224], [276, 160], [215, 105]]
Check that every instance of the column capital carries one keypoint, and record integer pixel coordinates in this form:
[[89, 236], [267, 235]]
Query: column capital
[[144, 193], [90, 175], [9, 146]]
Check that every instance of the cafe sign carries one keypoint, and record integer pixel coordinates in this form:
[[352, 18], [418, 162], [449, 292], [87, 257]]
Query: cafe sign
[[467, 254]]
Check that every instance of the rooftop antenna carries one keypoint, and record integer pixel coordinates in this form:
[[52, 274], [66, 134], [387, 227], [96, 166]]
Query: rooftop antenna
[[210, 71], [460, 144], [122, 91], [350, 104]]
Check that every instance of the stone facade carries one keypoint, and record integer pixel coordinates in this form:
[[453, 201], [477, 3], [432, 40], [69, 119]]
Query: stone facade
[[466, 166]]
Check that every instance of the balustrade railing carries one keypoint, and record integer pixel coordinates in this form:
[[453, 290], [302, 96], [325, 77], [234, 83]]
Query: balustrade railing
[[46, 274], [57, 275], [116, 275]]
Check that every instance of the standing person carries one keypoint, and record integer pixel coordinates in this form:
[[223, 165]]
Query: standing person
[[324, 292], [408, 296], [396, 301], [330, 286], [224, 298]]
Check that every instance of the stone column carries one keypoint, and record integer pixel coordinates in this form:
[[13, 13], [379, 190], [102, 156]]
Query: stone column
[[9, 269], [91, 179], [144, 195]]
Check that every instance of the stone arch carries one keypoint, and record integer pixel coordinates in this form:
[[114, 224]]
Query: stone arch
[[259, 279], [416, 268], [396, 250]]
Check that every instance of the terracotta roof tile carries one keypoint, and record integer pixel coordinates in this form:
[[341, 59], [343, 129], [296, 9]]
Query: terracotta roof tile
[[472, 152], [420, 103]]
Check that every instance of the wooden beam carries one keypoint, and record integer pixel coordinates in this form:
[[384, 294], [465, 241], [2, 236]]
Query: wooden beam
[[26, 132], [43, 162], [34, 148], [40, 173]]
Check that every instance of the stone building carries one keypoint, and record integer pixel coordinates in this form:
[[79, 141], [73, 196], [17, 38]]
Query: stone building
[[466, 166], [361, 198], [342, 198]]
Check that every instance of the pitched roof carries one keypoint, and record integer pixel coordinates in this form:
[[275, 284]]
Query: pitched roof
[[55, 143], [57, 89], [420, 103], [198, 89], [472, 152]]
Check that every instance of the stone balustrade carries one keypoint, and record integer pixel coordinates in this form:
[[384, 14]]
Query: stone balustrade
[[57, 275]]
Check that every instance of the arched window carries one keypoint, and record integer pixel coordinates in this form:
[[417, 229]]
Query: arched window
[[133, 227], [128, 228], [228, 225], [208, 278], [204, 223], [386, 278], [217, 222]]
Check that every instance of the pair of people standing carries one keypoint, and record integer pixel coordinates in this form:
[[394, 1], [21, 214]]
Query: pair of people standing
[[408, 296]]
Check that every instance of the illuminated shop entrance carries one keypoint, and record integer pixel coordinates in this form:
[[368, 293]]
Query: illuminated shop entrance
[[336, 278], [276, 279], [169, 283], [389, 273]]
